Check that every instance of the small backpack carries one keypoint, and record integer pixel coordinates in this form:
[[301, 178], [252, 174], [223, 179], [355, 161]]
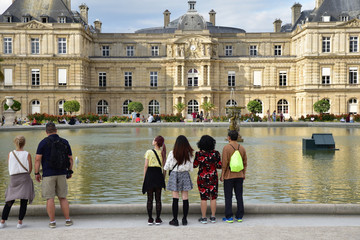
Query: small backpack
[[59, 154], [236, 161]]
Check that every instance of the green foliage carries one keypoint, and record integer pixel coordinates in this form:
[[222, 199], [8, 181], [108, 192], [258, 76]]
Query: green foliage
[[254, 107], [16, 106], [322, 106], [72, 106], [1, 73], [135, 106], [180, 107], [207, 107]]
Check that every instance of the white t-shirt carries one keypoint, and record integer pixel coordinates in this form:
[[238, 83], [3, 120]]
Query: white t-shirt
[[14, 166]]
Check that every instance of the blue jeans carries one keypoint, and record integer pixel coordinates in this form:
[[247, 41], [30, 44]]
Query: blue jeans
[[237, 185]]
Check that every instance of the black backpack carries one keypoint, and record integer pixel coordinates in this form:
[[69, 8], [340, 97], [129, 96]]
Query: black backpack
[[59, 153]]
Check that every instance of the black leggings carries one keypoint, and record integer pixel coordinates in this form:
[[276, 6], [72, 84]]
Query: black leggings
[[8, 205], [150, 197]]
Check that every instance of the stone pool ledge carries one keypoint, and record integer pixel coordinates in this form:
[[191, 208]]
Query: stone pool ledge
[[118, 209], [187, 124]]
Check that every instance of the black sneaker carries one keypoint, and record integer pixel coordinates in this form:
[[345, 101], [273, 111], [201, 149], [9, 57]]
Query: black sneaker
[[213, 219], [184, 221], [150, 221], [203, 220], [158, 221], [174, 222]]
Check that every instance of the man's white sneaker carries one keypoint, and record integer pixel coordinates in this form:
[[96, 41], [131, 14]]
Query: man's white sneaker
[[19, 226], [2, 225]]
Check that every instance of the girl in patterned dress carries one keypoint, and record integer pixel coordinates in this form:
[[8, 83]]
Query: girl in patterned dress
[[208, 160]]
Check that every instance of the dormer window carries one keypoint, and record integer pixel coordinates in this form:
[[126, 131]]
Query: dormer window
[[326, 18], [192, 5], [44, 19], [344, 18], [26, 19], [62, 19], [8, 19]]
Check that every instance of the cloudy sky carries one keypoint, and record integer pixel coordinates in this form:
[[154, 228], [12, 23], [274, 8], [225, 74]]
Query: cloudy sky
[[120, 16]]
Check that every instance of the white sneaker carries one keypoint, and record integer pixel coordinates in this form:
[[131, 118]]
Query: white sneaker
[[2, 225], [19, 226]]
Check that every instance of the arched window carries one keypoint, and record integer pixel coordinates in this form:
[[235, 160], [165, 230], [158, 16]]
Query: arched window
[[193, 106], [125, 107], [193, 78], [61, 107], [154, 107], [353, 106], [259, 101], [102, 107], [35, 106], [230, 103], [283, 106]]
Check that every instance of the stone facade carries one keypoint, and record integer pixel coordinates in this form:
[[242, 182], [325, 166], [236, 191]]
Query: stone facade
[[287, 71]]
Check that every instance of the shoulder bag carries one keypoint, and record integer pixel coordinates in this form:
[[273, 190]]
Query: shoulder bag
[[20, 162]]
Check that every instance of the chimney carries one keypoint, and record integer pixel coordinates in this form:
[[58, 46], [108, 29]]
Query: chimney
[[84, 12], [296, 12], [166, 18], [98, 25], [277, 25], [318, 3], [212, 14]]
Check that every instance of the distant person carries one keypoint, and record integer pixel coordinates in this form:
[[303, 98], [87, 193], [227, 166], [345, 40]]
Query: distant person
[[208, 160], [201, 116], [133, 116], [21, 185], [351, 118], [143, 119], [233, 180], [274, 116], [157, 118], [150, 118], [291, 119], [137, 118], [154, 179], [194, 114], [281, 117], [55, 156], [348, 118], [180, 162], [268, 115], [72, 121]]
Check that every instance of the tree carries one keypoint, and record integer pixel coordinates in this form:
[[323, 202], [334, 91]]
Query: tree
[[1, 73], [322, 106], [180, 107], [135, 106], [207, 107], [71, 106], [16, 106], [254, 107]]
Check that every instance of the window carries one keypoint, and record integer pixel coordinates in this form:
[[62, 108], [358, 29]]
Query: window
[[154, 51], [62, 45], [277, 50], [353, 106], [231, 79], [128, 79], [8, 19], [325, 73], [253, 50], [7, 45], [105, 51], [8, 77], [126, 107], [26, 19], [102, 79], [326, 18], [44, 19], [130, 51], [62, 20], [282, 78], [102, 107], [259, 101], [257, 78], [193, 78], [35, 46], [62, 76], [228, 50], [326, 44], [61, 107], [35, 106], [353, 44], [344, 18], [193, 106], [353, 75], [283, 107], [230, 103], [153, 79], [154, 107], [35, 77]]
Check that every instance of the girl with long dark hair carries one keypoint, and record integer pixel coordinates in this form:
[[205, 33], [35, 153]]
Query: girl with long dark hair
[[154, 179], [180, 162]]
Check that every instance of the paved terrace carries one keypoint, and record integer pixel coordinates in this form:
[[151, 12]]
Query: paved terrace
[[273, 221]]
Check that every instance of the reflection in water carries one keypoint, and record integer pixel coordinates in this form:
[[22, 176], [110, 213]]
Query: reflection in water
[[110, 166]]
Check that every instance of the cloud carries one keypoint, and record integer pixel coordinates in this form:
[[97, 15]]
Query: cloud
[[128, 16]]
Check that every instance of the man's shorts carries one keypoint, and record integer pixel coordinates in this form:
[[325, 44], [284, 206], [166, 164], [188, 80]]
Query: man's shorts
[[54, 186]]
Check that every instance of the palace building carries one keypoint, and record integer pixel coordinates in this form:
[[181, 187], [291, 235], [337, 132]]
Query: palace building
[[52, 54]]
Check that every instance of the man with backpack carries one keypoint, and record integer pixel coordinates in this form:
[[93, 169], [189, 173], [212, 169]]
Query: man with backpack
[[234, 163], [55, 156]]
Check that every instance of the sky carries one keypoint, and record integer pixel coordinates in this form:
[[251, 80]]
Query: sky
[[120, 16]]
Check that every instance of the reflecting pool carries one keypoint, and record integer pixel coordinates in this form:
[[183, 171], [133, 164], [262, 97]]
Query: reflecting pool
[[111, 161]]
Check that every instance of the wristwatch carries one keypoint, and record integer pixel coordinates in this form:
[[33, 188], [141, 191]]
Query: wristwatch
[[37, 173]]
